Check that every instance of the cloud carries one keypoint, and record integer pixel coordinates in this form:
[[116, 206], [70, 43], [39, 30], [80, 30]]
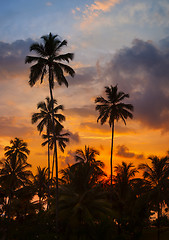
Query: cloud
[[142, 70], [93, 11], [83, 76], [12, 58], [68, 159], [14, 127], [74, 136], [123, 151], [104, 5], [84, 111]]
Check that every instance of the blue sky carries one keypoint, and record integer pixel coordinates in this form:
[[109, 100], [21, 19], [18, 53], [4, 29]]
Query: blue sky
[[124, 42]]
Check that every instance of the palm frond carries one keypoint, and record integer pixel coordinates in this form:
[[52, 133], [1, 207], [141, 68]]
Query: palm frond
[[59, 75]]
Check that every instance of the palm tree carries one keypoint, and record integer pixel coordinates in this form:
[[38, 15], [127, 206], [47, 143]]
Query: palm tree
[[129, 200], [112, 109], [157, 176], [49, 62], [45, 118], [40, 185], [83, 202], [61, 138], [88, 157], [86, 172], [18, 150], [14, 175], [124, 180]]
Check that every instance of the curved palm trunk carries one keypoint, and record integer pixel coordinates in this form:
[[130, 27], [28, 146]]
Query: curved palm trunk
[[55, 147], [111, 158]]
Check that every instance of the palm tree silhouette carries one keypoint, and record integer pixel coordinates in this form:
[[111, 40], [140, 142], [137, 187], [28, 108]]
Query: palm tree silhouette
[[61, 138], [129, 200], [49, 62], [45, 118], [13, 175], [82, 200], [157, 176], [124, 179], [40, 185], [18, 150], [112, 109]]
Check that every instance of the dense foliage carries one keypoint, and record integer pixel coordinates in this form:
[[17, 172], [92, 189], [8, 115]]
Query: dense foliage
[[89, 206]]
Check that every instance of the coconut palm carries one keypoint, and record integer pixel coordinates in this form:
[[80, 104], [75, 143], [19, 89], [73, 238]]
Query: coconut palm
[[112, 109], [83, 202], [61, 138], [40, 184], [157, 176], [49, 62], [86, 172], [88, 157], [129, 200], [18, 149], [45, 120], [14, 175]]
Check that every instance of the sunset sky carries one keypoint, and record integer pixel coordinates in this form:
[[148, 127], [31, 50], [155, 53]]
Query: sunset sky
[[124, 42]]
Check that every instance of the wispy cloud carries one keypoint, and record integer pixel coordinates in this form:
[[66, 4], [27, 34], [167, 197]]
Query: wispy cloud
[[104, 5], [93, 11]]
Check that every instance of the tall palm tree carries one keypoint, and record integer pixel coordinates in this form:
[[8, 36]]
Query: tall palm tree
[[49, 62], [112, 109], [157, 176], [18, 149], [45, 120]]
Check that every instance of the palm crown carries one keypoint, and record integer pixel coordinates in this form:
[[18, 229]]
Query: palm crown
[[157, 174], [49, 61], [45, 115], [112, 108], [61, 138], [18, 149]]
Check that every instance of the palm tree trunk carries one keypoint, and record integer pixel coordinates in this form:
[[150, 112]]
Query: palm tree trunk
[[53, 163], [48, 166], [111, 157], [55, 146], [158, 222]]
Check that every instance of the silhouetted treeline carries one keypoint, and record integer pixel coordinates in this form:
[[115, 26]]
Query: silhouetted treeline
[[90, 207]]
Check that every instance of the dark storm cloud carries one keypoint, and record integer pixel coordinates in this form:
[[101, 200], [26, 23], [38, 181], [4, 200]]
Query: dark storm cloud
[[143, 71], [83, 76], [123, 151], [12, 57]]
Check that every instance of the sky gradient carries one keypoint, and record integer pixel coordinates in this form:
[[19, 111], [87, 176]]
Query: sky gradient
[[124, 42]]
